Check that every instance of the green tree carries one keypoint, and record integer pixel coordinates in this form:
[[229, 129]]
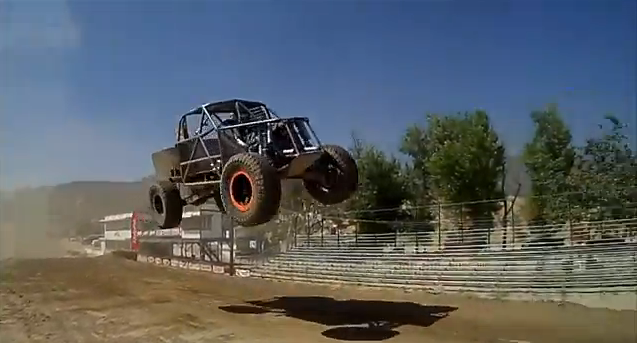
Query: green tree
[[549, 158], [461, 157], [294, 195], [419, 206], [383, 189], [606, 175], [415, 145]]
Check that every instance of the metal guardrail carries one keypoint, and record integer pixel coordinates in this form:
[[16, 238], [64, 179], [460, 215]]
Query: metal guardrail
[[482, 238], [477, 264]]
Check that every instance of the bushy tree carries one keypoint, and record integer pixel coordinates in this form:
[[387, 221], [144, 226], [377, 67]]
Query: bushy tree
[[605, 175], [294, 196], [414, 145], [419, 207], [383, 189], [549, 158], [461, 157]]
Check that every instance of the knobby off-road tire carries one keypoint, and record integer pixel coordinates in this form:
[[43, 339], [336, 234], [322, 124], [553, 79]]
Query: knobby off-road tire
[[345, 182], [250, 189], [166, 204]]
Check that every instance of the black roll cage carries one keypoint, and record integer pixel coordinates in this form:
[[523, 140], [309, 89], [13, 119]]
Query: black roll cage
[[208, 114]]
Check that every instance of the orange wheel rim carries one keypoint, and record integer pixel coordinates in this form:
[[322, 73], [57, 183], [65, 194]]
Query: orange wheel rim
[[241, 191]]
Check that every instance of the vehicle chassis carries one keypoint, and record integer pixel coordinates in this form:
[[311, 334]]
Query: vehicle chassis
[[196, 162]]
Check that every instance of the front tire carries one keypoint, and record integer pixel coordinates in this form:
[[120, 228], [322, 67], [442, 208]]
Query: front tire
[[250, 189], [340, 174], [166, 204]]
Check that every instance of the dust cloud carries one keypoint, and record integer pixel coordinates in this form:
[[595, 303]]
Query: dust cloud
[[47, 136], [34, 45], [25, 228]]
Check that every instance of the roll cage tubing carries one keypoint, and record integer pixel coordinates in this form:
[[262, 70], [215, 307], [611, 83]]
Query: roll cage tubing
[[205, 114]]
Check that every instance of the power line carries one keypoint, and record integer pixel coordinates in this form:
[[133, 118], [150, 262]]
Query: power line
[[435, 205], [496, 217]]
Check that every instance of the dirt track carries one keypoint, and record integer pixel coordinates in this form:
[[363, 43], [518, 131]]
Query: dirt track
[[109, 299]]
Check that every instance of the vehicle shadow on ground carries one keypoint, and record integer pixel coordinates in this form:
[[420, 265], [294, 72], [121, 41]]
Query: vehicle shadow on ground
[[351, 320]]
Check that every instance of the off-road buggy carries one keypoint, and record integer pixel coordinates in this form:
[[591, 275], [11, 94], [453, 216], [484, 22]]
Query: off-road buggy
[[237, 155]]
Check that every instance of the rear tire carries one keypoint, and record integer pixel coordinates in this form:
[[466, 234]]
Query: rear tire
[[344, 176], [250, 189], [166, 204]]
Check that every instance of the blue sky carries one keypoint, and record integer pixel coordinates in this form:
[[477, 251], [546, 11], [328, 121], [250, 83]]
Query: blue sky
[[90, 88]]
